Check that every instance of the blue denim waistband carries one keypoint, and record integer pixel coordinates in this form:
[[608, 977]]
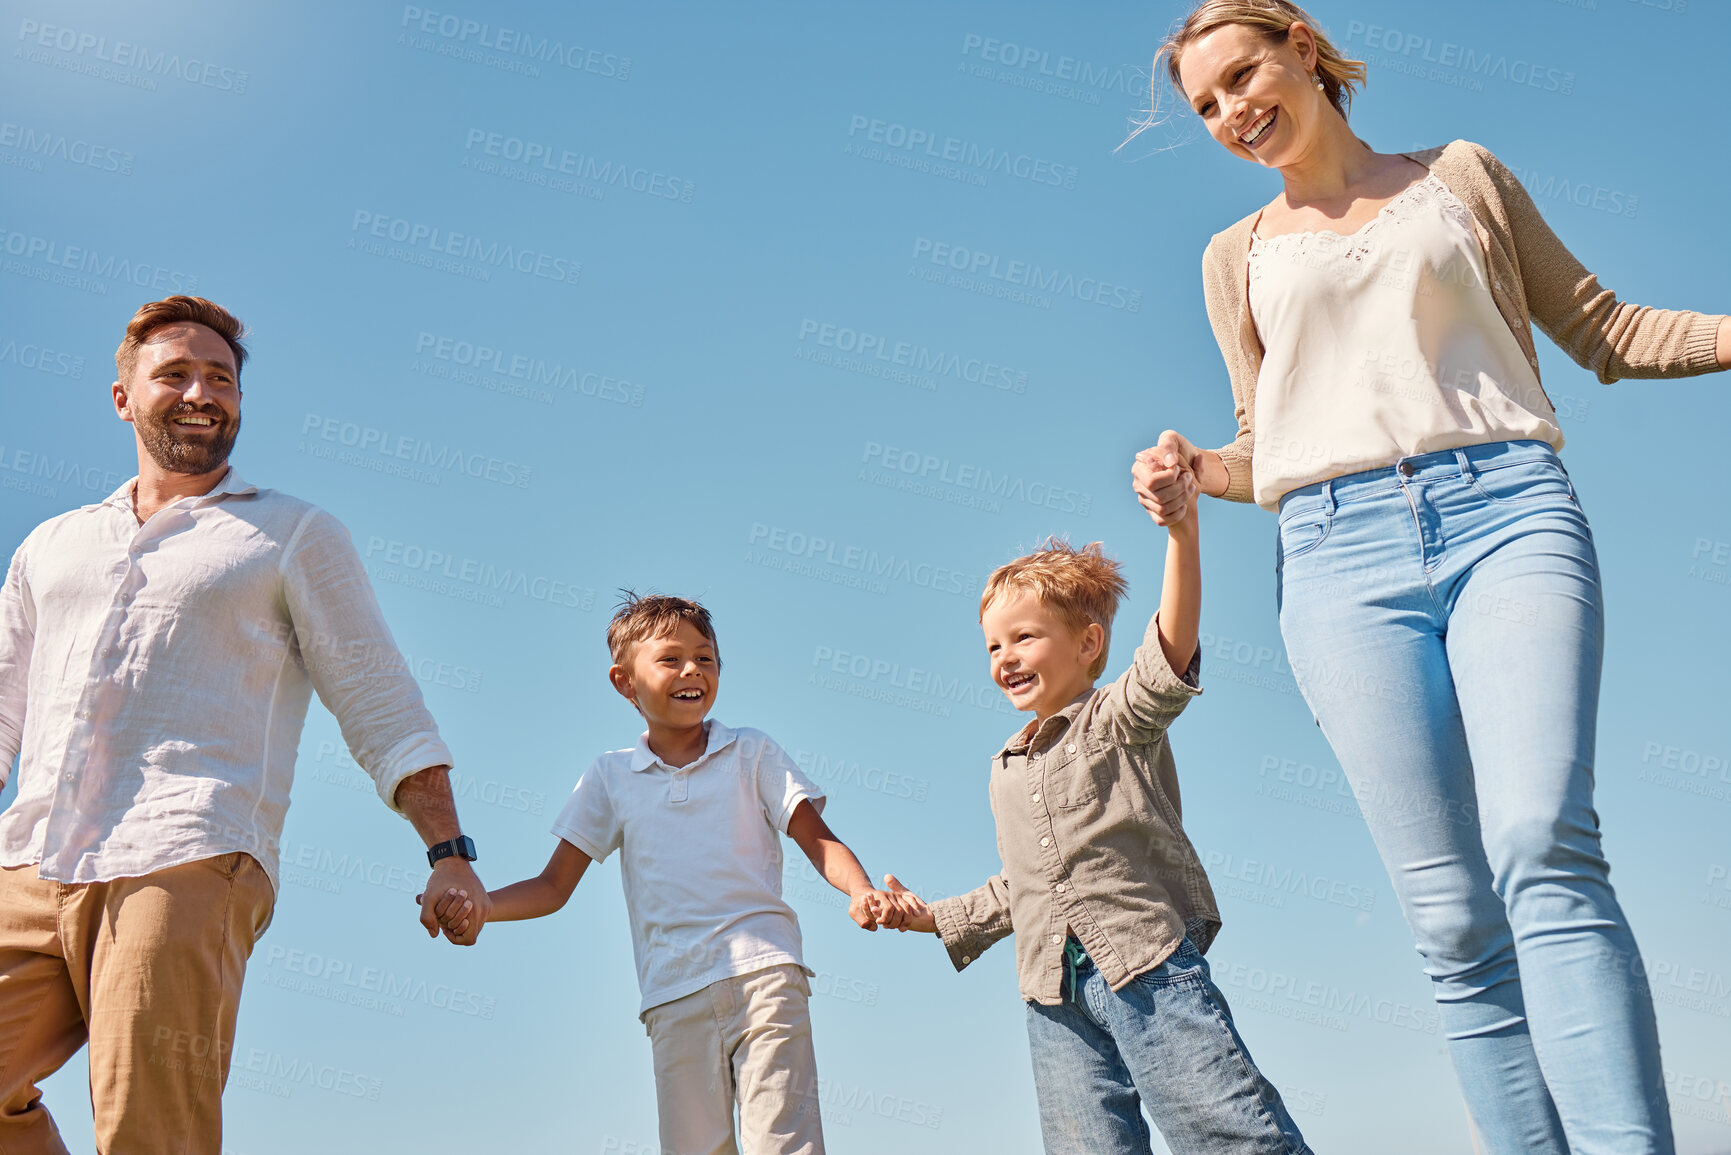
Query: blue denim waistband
[[1420, 467]]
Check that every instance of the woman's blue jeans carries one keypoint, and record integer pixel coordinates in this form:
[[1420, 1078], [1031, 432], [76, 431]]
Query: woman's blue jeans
[[1443, 620]]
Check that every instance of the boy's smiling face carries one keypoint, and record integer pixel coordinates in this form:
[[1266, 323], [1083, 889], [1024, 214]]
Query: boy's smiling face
[[671, 678], [1039, 659]]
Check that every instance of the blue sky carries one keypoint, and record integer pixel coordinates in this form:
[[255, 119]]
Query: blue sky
[[734, 303]]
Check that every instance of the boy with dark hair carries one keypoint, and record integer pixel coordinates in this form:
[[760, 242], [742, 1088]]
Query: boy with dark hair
[[694, 810]]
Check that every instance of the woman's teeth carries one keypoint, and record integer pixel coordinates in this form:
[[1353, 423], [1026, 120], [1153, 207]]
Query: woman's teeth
[[1258, 130]]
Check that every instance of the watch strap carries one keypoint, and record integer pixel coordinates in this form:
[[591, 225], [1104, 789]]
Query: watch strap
[[461, 846]]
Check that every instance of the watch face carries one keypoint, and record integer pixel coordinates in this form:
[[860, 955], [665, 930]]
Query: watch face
[[462, 846]]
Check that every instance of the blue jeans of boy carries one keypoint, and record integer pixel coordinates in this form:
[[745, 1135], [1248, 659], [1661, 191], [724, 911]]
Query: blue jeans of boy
[[1443, 620], [1165, 1042]]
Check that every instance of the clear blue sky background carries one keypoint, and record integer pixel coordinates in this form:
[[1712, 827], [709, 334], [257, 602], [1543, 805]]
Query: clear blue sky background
[[699, 436]]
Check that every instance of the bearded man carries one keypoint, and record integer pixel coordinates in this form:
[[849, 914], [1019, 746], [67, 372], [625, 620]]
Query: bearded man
[[157, 655]]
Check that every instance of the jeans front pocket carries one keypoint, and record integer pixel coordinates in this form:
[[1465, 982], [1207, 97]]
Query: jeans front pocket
[[1183, 965], [1523, 482], [1304, 525]]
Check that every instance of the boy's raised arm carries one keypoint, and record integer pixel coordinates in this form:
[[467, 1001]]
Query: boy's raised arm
[[1162, 677], [867, 906], [1181, 592]]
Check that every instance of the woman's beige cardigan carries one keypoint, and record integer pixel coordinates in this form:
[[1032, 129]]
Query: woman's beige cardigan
[[1533, 278]]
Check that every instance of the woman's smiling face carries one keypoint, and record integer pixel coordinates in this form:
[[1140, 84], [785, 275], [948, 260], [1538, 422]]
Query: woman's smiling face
[[1257, 97]]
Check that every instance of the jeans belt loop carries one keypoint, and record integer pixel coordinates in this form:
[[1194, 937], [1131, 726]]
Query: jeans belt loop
[[1328, 497], [1466, 464]]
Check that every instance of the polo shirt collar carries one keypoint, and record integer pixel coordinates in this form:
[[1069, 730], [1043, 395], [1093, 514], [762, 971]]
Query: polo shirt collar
[[232, 483], [719, 738]]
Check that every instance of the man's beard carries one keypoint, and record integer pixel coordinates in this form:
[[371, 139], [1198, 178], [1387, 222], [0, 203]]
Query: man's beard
[[176, 453]]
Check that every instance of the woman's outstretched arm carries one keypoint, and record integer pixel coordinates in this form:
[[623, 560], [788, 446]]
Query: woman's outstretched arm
[[1613, 338]]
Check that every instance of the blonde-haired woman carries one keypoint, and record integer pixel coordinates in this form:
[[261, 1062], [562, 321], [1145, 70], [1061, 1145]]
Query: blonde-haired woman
[[1439, 591]]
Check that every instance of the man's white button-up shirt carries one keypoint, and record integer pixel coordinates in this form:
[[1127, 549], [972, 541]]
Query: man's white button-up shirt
[[154, 679]]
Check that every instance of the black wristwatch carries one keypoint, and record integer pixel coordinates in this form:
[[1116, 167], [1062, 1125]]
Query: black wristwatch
[[462, 846]]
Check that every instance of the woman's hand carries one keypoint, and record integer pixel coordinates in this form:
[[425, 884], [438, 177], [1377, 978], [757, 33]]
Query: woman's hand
[[1164, 478]]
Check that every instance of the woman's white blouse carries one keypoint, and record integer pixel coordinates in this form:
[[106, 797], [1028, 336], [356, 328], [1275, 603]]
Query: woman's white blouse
[[1383, 344]]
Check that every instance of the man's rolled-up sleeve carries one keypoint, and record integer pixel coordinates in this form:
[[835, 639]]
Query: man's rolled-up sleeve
[[969, 923], [17, 641], [353, 661]]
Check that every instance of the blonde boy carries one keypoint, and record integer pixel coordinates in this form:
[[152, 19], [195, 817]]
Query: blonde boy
[[695, 810], [1109, 903]]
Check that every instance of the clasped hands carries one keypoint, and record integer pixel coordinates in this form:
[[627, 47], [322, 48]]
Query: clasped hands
[[462, 905], [1164, 478], [894, 907]]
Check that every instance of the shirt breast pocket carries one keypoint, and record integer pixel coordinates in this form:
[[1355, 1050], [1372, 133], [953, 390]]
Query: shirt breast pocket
[[1070, 779]]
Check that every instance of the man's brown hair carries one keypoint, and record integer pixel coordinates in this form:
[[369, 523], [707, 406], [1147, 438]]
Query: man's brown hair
[[179, 310], [639, 619], [1079, 585]]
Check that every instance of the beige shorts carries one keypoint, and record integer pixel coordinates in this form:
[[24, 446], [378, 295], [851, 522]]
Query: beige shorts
[[744, 1040]]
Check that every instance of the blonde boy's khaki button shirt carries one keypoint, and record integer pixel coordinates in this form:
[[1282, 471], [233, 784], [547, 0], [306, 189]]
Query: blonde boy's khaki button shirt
[[1091, 838]]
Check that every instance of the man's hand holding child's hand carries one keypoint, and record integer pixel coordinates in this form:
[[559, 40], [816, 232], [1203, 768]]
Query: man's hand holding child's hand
[[453, 910]]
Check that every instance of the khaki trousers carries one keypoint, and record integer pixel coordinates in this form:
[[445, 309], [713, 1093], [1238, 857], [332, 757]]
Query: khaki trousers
[[147, 971], [745, 1038]]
